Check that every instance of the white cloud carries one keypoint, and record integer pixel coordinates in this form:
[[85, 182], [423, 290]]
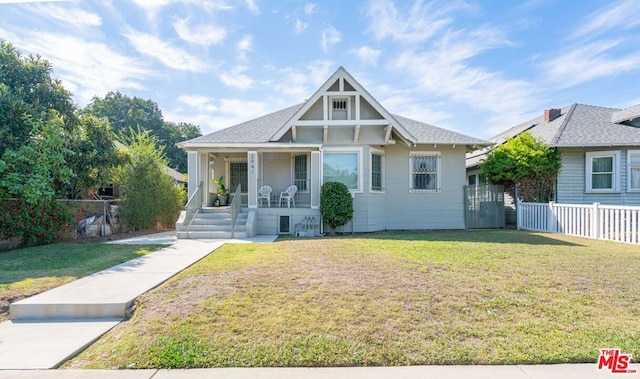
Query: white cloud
[[202, 35], [244, 47], [29, 1], [300, 26], [309, 8], [253, 8], [236, 78], [624, 14], [168, 55], [586, 63], [330, 36], [200, 102], [413, 25], [73, 16], [81, 64], [219, 114], [293, 85], [368, 55]]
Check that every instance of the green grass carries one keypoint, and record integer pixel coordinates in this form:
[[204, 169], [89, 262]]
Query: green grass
[[463, 297], [29, 271]]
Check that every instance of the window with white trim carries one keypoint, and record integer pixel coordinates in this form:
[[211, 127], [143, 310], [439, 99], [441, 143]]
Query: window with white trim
[[425, 172], [300, 172], [377, 171], [602, 171], [343, 167], [633, 177]]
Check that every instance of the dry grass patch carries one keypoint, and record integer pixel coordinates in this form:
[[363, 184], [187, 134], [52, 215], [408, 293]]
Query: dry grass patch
[[467, 297]]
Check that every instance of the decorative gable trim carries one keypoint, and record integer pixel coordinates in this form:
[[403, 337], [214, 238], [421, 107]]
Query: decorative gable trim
[[345, 81]]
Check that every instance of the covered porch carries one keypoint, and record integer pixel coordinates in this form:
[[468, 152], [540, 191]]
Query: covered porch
[[276, 167]]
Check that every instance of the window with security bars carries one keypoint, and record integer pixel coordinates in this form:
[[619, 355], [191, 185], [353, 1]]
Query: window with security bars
[[376, 172], [300, 172], [238, 174], [424, 172]]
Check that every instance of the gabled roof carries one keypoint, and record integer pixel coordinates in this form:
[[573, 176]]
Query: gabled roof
[[258, 130], [578, 125], [272, 127], [627, 114], [342, 73]]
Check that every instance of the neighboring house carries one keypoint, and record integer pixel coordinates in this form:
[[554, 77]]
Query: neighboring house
[[600, 150], [402, 173]]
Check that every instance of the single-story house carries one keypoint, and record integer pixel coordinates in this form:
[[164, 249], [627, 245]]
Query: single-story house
[[600, 150], [402, 173]]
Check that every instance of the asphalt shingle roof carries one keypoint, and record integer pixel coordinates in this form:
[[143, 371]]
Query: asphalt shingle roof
[[626, 114], [258, 130], [262, 130], [426, 133], [578, 125]]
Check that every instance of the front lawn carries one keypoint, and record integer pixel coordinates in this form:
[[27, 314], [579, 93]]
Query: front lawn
[[29, 271], [394, 298]]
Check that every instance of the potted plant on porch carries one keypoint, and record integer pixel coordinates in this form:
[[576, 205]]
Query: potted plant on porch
[[223, 194]]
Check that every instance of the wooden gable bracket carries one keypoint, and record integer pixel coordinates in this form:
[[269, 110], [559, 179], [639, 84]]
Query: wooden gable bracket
[[356, 134], [293, 133], [326, 133], [387, 133]]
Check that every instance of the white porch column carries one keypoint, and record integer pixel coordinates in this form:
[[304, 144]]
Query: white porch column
[[316, 178], [192, 172], [203, 176], [252, 191]]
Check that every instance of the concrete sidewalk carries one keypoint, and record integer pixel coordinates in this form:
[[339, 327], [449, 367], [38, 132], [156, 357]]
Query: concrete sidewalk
[[48, 328], [560, 371]]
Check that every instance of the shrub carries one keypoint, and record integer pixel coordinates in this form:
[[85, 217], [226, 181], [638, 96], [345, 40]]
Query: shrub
[[34, 224], [150, 197], [336, 205], [527, 162]]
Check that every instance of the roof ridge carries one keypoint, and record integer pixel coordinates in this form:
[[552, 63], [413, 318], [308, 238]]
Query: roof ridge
[[562, 127]]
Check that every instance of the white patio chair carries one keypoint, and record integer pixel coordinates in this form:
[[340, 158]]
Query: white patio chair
[[288, 196], [265, 193]]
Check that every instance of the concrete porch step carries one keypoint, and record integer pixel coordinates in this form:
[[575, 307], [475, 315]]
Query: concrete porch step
[[208, 234]]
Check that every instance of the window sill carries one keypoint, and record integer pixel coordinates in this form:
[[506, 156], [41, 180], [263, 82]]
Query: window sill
[[423, 191], [608, 191]]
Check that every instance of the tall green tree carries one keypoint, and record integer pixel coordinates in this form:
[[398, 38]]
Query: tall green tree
[[178, 132], [127, 113], [95, 156], [527, 162], [36, 120]]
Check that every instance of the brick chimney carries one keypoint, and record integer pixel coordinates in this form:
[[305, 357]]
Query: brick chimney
[[551, 114]]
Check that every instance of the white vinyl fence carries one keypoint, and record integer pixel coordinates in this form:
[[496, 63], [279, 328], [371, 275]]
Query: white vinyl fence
[[606, 222]]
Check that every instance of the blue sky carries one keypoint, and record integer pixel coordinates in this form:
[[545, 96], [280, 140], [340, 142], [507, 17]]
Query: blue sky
[[477, 67]]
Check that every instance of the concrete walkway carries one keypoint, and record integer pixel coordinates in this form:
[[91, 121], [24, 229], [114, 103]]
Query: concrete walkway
[[55, 327], [562, 371], [48, 328]]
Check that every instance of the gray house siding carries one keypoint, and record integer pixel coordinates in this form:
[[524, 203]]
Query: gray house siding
[[572, 180], [427, 210]]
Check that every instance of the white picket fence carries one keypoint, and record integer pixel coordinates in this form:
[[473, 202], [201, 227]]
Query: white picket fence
[[607, 222]]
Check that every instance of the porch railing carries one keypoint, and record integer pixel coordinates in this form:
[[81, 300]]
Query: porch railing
[[236, 207], [193, 206]]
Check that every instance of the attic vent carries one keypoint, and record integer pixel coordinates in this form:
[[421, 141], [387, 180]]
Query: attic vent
[[339, 105]]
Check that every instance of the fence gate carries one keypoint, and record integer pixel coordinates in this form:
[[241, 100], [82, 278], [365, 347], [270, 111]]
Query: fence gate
[[485, 206]]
